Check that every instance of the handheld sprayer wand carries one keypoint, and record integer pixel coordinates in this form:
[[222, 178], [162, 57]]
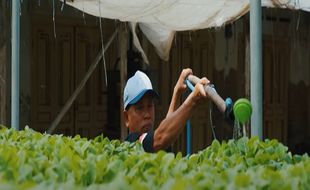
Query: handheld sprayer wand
[[240, 111]]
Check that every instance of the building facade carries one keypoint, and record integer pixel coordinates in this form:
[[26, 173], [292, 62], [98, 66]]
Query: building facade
[[56, 52]]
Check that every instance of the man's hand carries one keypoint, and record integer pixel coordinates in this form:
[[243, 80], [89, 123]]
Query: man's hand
[[180, 87], [199, 91]]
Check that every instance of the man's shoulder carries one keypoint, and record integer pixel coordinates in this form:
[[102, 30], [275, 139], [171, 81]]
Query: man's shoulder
[[132, 137], [146, 139]]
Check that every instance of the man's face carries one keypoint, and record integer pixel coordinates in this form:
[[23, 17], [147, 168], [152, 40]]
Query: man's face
[[139, 117]]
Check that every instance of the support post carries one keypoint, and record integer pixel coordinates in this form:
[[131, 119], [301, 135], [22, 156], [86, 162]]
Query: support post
[[256, 68], [123, 40], [15, 64]]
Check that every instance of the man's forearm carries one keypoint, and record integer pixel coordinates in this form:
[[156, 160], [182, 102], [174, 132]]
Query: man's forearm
[[172, 125], [173, 104]]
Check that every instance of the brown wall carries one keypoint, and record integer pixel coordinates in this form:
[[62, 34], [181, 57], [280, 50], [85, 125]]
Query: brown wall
[[287, 62]]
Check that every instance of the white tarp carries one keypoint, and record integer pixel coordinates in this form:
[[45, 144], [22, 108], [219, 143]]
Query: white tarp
[[159, 20]]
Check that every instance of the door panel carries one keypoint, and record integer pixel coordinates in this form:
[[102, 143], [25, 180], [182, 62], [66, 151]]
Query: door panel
[[202, 66], [91, 102], [51, 80], [276, 56], [194, 51], [63, 77], [58, 66], [41, 88]]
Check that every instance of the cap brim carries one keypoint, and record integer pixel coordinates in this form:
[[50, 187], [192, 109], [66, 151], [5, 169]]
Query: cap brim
[[141, 94]]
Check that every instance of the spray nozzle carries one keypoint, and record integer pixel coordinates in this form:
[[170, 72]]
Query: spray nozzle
[[242, 110]]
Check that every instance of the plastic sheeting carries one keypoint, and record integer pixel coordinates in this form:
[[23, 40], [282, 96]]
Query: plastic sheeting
[[159, 20], [288, 4]]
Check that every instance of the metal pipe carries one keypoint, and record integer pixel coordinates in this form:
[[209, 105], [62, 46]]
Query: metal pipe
[[212, 94], [256, 67], [15, 64]]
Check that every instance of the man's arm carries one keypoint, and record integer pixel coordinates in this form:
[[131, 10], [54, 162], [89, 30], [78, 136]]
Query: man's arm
[[179, 88], [172, 125]]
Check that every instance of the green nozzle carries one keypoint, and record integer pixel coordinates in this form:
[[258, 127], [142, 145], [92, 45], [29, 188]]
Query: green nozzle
[[242, 110]]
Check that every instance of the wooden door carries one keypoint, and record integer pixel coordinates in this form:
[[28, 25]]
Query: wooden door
[[194, 50], [91, 104], [276, 58], [58, 66], [202, 65], [51, 77]]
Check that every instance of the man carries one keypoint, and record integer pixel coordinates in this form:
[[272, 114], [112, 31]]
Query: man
[[139, 111]]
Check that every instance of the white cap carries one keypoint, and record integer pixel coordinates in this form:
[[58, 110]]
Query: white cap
[[136, 87]]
